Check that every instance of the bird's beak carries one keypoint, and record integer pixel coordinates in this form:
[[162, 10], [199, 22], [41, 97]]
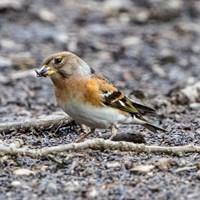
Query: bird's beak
[[45, 71]]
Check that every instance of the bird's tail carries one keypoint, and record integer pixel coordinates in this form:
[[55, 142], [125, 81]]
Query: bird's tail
[[153, 128], [139, 119]]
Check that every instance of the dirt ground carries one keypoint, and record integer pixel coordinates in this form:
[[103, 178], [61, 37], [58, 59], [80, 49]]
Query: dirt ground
[[147, 48]]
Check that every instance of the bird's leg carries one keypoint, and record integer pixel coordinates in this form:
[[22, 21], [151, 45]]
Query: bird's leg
[[80, 139], [113, 132], [84, 128]]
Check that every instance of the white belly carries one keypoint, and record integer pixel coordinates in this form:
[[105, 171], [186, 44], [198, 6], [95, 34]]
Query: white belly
[[101, 117]]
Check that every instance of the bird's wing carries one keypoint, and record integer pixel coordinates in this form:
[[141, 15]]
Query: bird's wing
[[117, 99], [112, 97], [143, 109]]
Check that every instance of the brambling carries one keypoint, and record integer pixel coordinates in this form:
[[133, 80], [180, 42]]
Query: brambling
[[89, 98]]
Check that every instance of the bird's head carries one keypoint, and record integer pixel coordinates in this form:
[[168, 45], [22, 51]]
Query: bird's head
[[63, 65]]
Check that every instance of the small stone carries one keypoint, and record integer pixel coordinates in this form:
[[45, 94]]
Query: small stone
[[144, 169], [23, 172], [131, 41], [124, 18], [195, 106], [10, 45], [154, 187], [142, 17], [164, 163], [191, 93], [51, 188], [191, 80], [174, 5], [166, 10], [198, 174], [183, 62], [113, 165], [40, 167], [11, 4], [167, 56], [113, 7], [17, 143], [159, 70], [72, 186], [5, 62], [16, 183], [46, 15], [184, 28], [92, 194]]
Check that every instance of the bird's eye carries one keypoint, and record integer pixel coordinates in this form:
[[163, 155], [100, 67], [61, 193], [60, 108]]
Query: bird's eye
[[57, 60]]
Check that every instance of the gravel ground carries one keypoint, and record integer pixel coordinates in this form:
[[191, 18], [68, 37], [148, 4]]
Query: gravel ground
[[149, 49]]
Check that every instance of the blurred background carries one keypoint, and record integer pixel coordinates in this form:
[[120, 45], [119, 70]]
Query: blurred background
[[147, 45]]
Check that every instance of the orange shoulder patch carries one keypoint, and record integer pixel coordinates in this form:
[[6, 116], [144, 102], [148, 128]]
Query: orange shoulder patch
[[94, 88], [91, 92]]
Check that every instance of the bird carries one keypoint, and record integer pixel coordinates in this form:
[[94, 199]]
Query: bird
[[89, 98]]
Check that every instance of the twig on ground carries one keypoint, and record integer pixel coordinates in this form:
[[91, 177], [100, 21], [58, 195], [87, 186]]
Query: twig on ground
[[97, 144], [41, 122]]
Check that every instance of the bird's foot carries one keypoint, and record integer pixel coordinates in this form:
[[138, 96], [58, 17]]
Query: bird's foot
[[113, 132], [85, 135]]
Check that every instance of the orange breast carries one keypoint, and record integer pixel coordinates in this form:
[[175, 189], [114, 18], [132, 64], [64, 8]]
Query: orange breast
[[81, 90]]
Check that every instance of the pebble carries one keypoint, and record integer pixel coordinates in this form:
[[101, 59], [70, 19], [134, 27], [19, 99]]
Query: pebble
[[159, 70], [16, 183], [191, 92], [46, 15], [113, 165], [23, 172], [164, 163], [174, 5], [131, 41], [5, 62], [166, 10], [198, 174], [71, 185], [51, 187], [184, 28], [143, 168], [195, 106], [10, 45], [167, 56], [11, 4], [141, 17], [124, 18], [92, 194], [17, 143], [112, 7]]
